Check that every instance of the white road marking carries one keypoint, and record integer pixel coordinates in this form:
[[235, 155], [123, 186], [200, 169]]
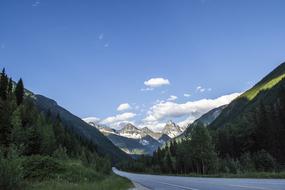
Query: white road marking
[[173, 185], [249, 187]]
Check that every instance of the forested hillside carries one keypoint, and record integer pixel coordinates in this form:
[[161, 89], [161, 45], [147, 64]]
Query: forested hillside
[[37, 147], [76, 125], [247, 136]]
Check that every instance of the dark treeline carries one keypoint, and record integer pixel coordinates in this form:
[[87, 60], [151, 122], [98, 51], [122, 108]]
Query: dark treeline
[[254, 142], [29, 137]]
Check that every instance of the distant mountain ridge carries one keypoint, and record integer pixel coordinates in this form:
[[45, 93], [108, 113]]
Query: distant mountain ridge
[[132, 140], [171, 129], [135, 141], [205, 119]]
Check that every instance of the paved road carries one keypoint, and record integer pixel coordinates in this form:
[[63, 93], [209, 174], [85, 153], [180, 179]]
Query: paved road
[[157, 182]]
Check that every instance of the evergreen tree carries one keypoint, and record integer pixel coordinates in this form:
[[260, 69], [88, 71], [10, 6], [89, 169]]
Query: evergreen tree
[[34, 141], [19, 92], [203, 152], [5, 123], [3, 85], [18, 133], [10, 87], [168, 162], [59, 130], [173, 147]]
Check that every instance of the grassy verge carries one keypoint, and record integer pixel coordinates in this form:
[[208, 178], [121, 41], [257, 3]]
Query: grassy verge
[[47, 173], [109, 183]]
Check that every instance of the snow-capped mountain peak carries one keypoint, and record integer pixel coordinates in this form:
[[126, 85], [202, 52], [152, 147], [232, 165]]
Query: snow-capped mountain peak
[[130, 131], [91, 120], [171, 129]]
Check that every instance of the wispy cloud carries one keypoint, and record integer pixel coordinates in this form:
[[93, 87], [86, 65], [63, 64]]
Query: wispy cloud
[[146, 89], [172, 98], [101, 36], [36, 3], [186, 95], [200, 89], [106, 45]]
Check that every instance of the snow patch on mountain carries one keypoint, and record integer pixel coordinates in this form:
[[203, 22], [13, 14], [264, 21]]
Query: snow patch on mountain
[[172, 129]]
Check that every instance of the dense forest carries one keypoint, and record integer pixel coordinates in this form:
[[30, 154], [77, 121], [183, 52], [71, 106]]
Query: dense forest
[[247, 137], [36, 147]]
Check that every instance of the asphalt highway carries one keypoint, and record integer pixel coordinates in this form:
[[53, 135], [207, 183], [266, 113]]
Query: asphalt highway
[[159, 182]]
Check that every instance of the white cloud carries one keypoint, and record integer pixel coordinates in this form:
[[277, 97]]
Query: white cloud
[[156, 82], [172, 98], [184, 123], [187, 95], [200, 89], [154, 126], [192, 109], [123, 107], [36, 3], [91, 119], [117, 120]]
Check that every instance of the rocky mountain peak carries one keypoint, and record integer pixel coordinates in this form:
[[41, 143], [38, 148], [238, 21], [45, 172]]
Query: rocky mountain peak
[[171, 129]]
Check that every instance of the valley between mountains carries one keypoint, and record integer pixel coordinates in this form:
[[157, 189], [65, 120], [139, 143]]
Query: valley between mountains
[[135, 141]]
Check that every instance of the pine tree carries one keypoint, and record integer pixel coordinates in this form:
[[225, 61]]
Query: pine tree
[[168, 162], [173, 148], [34, 141], [3, 85], [202, 149], [19, 92], [59, 131], [10, 87], [17, 134], [5, 123]]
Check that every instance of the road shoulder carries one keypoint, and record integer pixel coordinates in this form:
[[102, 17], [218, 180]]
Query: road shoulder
[[138, 187]]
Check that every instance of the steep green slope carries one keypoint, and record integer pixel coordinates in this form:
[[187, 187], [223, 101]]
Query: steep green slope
[[104, 145], [266, 83], [255, 120], [251, 97]]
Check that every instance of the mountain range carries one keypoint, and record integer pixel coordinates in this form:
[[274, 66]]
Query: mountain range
[[135, 141]]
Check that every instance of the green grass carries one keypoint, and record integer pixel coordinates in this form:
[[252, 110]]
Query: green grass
[[252, 93], [111, 182], [47, 173], [44, 168]]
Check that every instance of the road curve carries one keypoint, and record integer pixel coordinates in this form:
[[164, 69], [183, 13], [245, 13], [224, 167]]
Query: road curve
[[159, 182]]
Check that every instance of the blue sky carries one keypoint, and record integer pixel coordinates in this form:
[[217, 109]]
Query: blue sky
[[91, 56]]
